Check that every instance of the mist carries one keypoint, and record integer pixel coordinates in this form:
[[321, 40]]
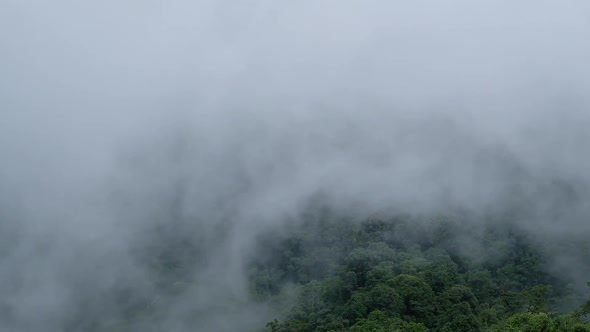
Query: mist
[[224, 118]]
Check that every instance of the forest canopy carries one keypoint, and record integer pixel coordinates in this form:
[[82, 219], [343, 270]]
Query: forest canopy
[[405, 274]]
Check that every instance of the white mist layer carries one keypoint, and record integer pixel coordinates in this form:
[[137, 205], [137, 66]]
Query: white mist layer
[[117, 116]]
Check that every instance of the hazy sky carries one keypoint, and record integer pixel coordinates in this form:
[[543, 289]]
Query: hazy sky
[[115, 115]]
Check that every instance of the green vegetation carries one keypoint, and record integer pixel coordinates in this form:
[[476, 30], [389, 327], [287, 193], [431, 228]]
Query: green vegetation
[[329, 273], [405, 274]]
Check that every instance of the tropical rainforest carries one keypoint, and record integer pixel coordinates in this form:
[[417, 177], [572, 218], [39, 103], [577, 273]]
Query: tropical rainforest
[[407, 274], [331, 273]]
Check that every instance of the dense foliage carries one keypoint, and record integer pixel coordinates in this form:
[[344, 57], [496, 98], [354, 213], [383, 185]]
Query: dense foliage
[[407, 274], [326, 272]]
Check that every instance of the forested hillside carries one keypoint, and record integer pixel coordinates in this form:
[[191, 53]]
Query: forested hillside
[[325, 271], [411, 274]]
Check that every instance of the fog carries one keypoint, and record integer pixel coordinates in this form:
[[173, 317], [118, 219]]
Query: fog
[[226, 117]]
